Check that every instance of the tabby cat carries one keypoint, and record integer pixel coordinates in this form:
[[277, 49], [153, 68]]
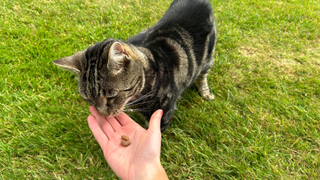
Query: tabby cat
[[152, 69]]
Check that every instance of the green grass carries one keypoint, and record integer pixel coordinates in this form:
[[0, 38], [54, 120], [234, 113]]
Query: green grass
[[264, 123]]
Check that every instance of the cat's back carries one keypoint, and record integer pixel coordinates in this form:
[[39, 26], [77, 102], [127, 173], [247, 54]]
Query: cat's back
[[194, 16], [187, 13]]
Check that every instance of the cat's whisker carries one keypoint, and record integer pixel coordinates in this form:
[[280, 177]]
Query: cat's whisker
[[141, 110], [133, 103], [137, 101], [141, 103], [149, 94], [128, 110], [136, 109]]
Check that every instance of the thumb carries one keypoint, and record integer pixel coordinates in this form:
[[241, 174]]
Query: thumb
[[155, 120]]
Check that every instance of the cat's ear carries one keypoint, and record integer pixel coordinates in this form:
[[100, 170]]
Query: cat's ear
[[71, 63], [118, 57]]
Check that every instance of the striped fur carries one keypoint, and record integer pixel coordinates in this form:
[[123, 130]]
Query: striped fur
[[151, 70]]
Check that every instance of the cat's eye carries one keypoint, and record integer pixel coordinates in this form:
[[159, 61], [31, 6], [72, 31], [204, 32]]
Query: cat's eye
[[110, 100], [110, 93], [111, 97], [128, 89]]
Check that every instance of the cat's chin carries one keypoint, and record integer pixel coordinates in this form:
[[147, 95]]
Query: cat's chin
[[105, 114], [110, 115]]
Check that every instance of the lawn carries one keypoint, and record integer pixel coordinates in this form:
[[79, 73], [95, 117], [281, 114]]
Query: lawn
[[264, 123]]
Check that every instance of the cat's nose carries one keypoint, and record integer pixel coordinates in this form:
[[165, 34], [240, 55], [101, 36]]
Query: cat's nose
[[103, 111]]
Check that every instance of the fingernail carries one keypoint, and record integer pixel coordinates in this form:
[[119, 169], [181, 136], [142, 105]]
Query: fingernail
[[161, 112]]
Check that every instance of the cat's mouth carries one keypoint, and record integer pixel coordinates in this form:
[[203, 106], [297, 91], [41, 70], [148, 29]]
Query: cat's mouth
[[112, 114], [105, 112]]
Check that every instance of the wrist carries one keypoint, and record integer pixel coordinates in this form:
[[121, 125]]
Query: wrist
[[152, 172]]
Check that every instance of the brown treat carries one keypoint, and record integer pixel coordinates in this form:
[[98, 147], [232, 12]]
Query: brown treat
[[124, 137], [125, 143]]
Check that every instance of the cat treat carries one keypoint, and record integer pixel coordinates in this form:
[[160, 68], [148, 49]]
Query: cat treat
[[124, 137], [125, 141]]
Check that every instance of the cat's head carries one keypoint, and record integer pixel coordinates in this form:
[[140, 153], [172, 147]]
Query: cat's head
[[110, 74]]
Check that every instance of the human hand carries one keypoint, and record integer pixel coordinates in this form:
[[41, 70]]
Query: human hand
[[139, 160]]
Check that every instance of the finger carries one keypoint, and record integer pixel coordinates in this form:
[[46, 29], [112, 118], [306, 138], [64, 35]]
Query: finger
[[155, 120], [102, 122], [123, 119], [94, 111], [114, 123], [97, 131]]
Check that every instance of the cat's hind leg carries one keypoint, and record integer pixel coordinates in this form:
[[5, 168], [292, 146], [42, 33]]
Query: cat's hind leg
[[203, 88]]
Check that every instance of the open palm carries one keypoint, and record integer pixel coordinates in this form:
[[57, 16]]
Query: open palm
[[144, 151]]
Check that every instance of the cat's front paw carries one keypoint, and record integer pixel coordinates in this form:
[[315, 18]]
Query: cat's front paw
[[208, 97]]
